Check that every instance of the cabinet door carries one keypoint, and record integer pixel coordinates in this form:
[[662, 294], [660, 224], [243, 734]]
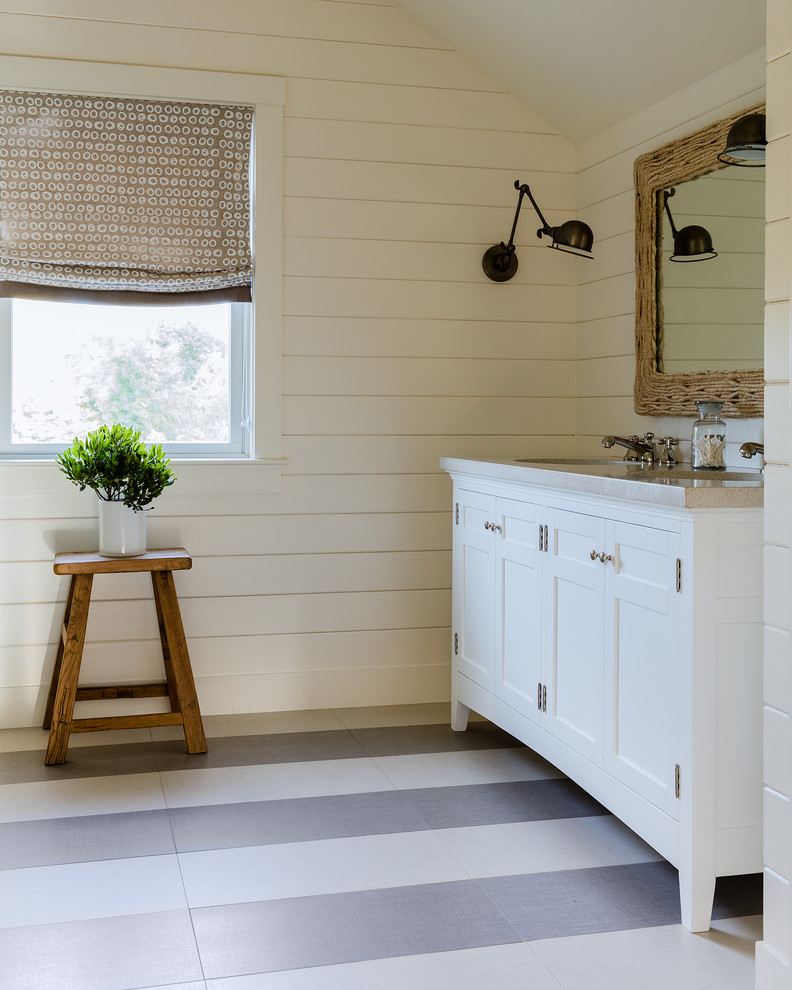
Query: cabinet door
[[474, 587], [518, 603], [573, 625], [642, 661]]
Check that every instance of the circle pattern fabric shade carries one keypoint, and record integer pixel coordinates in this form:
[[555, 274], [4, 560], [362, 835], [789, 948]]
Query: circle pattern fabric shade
[[101, 193]]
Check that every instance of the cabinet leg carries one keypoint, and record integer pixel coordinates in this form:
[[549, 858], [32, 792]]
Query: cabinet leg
[[459, 716], [696, 891]]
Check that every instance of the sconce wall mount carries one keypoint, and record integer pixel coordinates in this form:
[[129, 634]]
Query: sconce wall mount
[[573, 236]]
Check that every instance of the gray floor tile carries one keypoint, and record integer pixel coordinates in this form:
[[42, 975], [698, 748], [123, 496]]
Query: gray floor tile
[[105, 954], [103, 761], [495, 804], [403, 740], [610, 898], [294, 820], [281, 747], [319, 931], [579, 902], [84, 839]]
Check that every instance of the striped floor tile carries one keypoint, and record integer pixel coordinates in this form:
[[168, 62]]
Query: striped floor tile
[[321, 851]]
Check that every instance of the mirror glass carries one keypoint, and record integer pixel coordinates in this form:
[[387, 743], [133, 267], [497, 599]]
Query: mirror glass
[[699, 325], [711, 313]]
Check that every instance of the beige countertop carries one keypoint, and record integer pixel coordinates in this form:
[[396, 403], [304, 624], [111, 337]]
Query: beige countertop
[[677, 486]]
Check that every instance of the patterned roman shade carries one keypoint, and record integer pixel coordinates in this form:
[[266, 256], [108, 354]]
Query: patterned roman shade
[[124, 199]]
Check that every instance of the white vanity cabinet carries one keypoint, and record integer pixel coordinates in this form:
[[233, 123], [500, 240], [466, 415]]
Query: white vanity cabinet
[[622, 642]]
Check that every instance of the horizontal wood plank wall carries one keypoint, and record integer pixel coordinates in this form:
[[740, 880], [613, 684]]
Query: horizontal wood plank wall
[[399, 170], [774, 953], [606, 294]]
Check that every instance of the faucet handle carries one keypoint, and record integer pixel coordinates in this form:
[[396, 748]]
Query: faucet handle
[[667, 452]]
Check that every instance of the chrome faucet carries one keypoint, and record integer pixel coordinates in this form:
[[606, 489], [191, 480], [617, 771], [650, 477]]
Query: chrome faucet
[[637, 449], [749, 448]]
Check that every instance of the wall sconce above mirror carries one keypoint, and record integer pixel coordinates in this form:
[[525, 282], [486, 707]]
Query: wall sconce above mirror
[[699, 328], [746, 142]]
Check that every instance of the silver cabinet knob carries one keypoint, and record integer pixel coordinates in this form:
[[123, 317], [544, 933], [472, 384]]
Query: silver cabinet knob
[[593, 554], [600, 555]]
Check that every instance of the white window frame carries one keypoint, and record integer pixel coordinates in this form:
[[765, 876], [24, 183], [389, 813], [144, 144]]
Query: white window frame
[[267, 94]]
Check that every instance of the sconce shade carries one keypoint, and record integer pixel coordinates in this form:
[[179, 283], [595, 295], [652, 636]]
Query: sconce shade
[[746, 143], [574, 237], [693, 243]]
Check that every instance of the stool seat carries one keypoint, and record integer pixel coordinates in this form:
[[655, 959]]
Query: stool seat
[[179, 684]]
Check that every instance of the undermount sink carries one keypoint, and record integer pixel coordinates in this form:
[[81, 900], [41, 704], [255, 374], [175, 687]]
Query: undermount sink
[[640, 471]]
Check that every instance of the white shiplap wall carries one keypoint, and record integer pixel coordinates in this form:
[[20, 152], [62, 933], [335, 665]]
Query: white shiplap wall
[[774, 953], [400, 159]]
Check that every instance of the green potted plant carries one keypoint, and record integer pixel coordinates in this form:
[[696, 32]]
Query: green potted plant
[[127, 475]]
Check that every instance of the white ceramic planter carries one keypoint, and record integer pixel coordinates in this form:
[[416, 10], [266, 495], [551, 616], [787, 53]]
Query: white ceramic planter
[[122, 531]]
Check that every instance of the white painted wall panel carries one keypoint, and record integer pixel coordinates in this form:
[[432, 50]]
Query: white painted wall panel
[[383, 337], [773, 969], [187, 48]]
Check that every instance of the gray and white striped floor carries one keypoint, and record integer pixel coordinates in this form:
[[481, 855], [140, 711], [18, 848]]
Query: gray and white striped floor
[[336, 850]]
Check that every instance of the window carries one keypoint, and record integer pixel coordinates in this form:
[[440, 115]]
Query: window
[[176, 373], [219, 364]]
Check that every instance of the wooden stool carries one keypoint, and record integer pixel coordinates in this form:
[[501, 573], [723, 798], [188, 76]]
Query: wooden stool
[[179, 686]]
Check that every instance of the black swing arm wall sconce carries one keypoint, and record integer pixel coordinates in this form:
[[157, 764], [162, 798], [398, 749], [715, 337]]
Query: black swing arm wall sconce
[[573, 236], [692, 243]]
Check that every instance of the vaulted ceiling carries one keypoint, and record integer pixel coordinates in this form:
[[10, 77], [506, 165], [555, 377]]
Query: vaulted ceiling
[[585, 64]]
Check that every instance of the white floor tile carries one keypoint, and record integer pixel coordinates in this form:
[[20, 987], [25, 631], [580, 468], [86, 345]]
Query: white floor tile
[[488, 766], [656, 958], [257, 873], [81, 796], [257, 723], [270, 782], [75, 892], [20, 740], [511, 967], [544, 847]]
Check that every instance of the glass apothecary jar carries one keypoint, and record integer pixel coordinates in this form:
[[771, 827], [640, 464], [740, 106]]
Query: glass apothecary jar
[[708, 441]]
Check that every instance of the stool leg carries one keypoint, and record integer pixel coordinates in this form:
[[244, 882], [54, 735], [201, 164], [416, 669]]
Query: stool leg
[[67, 670], [177, 659], [59, 656], [166, 657]]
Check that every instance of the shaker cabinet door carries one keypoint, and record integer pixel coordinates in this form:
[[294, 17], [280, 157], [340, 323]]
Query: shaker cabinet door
[[642, 652], [574, 631], [474, 588], [518, 598]]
